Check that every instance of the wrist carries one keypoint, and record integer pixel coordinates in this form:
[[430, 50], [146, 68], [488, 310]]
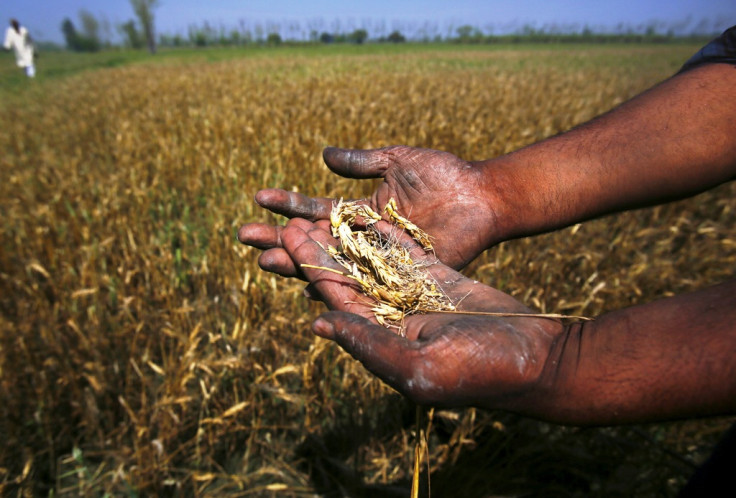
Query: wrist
[[539, 188], [509, 197], [534, 390], [642, 363]]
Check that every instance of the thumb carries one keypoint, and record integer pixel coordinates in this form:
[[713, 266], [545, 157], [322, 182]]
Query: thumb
[[381, 351], [357, 163]]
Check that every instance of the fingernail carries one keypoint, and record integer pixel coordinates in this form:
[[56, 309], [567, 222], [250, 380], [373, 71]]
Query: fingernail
[[259, 198], [240, 234], [309, 294], [323, 328]]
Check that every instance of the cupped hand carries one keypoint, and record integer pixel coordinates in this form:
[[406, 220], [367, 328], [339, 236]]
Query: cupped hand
[[443, 359], [442, 194]]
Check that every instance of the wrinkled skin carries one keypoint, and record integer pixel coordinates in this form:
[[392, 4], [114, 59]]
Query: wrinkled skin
[[637, 364], [445, 359], [442, 194], [670, 358]]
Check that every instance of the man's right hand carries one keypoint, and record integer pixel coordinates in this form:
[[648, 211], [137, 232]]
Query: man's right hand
[[447, 197]]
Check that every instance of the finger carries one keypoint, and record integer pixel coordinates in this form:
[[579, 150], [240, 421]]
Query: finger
[[294, 204], [380, 350], [311, 293], [324, 225], [264, 236], [336, 290], [401, 236], [357, 163], [278, 261], [260, 235]]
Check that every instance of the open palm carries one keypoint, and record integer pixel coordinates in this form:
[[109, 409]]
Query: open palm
[[439, 192], [444, 358]]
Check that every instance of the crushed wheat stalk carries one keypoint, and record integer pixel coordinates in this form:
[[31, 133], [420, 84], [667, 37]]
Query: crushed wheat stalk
[[469, 312], [551, 316], [385, 270]]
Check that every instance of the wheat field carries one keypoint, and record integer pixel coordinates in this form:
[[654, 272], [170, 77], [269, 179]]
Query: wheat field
[[143, 352]]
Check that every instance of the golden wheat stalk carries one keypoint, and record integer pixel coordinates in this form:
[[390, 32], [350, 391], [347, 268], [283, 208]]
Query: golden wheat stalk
[[383, 267], [385, 270], [505, 314]]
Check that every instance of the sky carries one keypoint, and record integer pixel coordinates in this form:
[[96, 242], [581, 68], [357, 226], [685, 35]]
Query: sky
[[43, 18]]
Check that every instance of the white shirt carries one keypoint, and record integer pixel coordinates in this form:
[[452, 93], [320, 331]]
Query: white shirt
[[21, 44]]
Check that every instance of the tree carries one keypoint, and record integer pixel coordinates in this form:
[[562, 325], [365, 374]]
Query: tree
[[358, 36], [70, 34], [90, 26], [131, 35], [144, 11], [396, 37], [464, 32], [236, 38], [273, 39], [469, 34], [76, 41]]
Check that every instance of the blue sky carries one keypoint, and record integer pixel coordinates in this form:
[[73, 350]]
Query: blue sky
[[44, 17]]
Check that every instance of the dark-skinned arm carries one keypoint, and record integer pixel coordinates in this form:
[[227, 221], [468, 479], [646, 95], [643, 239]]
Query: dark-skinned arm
[[668, 359], [673, 141]]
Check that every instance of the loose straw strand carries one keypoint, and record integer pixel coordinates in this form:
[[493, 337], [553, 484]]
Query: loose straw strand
[[551, 316]]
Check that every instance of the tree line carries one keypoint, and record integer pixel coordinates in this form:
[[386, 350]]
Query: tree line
[[137, 33], [140, 33]]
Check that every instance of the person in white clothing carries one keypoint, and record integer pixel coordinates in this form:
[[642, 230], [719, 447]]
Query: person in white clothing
[[17, 38]]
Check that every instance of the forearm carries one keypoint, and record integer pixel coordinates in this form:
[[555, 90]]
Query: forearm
[[673, 141], [672, 358]]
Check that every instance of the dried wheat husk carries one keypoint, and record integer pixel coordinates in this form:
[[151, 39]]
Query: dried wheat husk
[[386, 271], [382, 266]]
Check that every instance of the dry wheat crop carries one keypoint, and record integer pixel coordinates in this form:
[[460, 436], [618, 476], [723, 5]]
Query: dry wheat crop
[[142, 351]]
